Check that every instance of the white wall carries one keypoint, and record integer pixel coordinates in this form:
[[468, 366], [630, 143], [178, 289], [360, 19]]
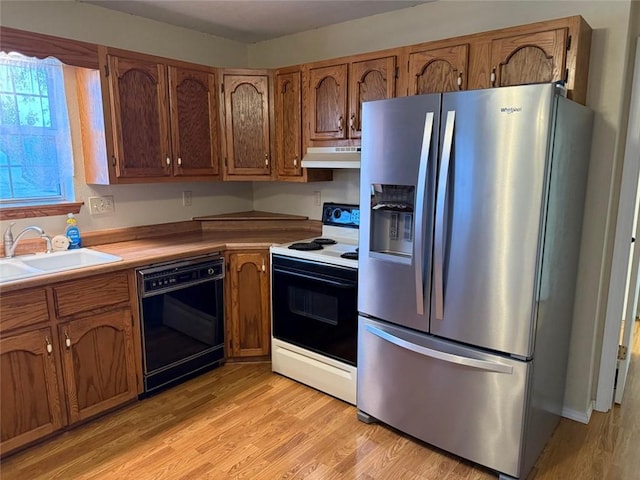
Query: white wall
[[447, 18], [145, 204], [90, 23], [299, 199]]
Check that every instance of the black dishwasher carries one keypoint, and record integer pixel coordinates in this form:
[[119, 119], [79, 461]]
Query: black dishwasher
[[182, 314]]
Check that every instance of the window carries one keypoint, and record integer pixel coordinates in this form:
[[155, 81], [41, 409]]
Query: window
[[36, 161]]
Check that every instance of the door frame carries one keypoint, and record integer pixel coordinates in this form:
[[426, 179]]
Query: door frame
[[621, 250], [630, 306]]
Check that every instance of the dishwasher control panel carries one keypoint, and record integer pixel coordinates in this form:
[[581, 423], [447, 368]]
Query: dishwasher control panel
[[173, 275]]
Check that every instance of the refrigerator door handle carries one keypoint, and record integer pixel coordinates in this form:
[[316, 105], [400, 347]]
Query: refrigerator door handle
[[418, 243], [440, 237], [439, 355]]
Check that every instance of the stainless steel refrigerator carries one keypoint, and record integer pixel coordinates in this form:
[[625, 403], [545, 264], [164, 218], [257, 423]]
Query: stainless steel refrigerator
[[471, 210]]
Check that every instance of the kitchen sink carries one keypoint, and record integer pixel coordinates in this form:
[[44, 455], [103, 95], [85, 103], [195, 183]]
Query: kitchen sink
[[14, 270], [33, 265]]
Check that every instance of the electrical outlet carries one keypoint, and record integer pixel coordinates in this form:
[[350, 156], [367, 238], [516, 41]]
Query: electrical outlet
[[186, 198], [101, 205], [317, 199]]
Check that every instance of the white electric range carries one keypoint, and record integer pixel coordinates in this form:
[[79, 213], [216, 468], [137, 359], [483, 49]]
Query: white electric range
[[314, 305]]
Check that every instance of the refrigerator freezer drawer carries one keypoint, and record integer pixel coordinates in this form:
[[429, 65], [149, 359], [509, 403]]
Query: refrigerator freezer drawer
[[459, 399]]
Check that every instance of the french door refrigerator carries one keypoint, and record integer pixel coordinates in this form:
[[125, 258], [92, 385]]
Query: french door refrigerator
[[471, 210]]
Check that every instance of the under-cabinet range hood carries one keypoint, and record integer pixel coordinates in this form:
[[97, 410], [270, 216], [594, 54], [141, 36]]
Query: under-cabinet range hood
[[332, 157]]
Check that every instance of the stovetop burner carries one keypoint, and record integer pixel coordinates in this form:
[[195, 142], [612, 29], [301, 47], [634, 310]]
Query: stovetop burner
[[325, 241], [306, 246], [350, 255], [339, 234]]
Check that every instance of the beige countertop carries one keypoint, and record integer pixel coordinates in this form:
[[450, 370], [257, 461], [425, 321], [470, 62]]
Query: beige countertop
[[140, 252], [251, 215]]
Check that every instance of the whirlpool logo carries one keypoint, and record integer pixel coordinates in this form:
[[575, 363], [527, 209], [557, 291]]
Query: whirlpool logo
[[510, 110]]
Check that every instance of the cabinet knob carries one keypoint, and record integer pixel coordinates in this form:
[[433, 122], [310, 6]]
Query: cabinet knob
[[179, 161], [460, 80], [295, 161], [168, 160], [340, 122], [266, 159], [67, 340], [352, 122], [264, 268], [493, 77], [49, 346]]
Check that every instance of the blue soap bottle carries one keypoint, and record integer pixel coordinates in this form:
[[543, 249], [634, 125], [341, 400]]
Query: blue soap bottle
[[72, 232]]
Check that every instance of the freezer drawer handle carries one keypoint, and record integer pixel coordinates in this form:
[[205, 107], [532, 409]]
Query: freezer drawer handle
[[419, 229], [446, 357]]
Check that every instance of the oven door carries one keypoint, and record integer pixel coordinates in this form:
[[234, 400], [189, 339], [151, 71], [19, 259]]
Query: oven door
[[314, 306]]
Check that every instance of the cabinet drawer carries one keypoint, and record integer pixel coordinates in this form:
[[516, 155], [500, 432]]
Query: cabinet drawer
[[91, 293], [24, 308]]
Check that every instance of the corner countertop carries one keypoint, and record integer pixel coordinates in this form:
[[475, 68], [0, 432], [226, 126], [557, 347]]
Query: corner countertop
[[146, 251], [250, 215]]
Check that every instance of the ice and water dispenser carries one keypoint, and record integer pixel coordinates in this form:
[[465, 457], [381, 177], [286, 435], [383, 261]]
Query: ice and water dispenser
[[392, 221]]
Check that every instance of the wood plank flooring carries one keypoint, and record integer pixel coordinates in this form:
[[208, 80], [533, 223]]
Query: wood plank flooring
[[242, 421]]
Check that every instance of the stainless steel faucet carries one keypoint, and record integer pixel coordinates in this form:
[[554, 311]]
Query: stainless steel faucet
[[10, 244]]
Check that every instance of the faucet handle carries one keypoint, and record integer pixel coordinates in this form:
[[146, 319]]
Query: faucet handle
[[8, 234], [47, 239]]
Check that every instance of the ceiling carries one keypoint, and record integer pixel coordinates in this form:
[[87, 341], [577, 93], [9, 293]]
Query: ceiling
[[251, 21]]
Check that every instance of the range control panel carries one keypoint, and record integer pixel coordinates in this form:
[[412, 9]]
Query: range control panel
[[341, 215]]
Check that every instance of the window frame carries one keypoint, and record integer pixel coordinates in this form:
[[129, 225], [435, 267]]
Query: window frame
[[70, 52]]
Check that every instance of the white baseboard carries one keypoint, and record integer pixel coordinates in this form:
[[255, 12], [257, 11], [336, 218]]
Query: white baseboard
[[577, 415]]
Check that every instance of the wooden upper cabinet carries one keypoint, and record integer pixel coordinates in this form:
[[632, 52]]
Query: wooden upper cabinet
[[288, 123], [194, 124], [139, 107], [530, 58], [162, 121], [336, 94], [247, 118], [369, 80], [98, 362], [29, 393], [438, 70], [328, 102]]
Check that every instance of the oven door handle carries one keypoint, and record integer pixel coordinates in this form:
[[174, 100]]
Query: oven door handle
[[318, 278]]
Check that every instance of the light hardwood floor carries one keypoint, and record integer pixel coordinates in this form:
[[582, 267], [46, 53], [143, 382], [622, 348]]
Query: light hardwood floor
[[244, 422]]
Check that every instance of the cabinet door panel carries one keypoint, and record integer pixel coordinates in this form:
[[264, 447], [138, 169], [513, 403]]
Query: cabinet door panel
[[250, 329], [30, 398], [99, 368], [438, 70], [369, 80], [328, 97], [247, 124], [534, 58], [288, 124], [194, 123], [140, 111]]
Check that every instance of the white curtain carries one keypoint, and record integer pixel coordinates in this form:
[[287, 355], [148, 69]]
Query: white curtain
[[33, 103]]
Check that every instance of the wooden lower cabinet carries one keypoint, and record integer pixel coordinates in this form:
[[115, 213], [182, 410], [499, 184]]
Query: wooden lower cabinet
[[31, 406], [98, 363], [62, 362], [248, 313]]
